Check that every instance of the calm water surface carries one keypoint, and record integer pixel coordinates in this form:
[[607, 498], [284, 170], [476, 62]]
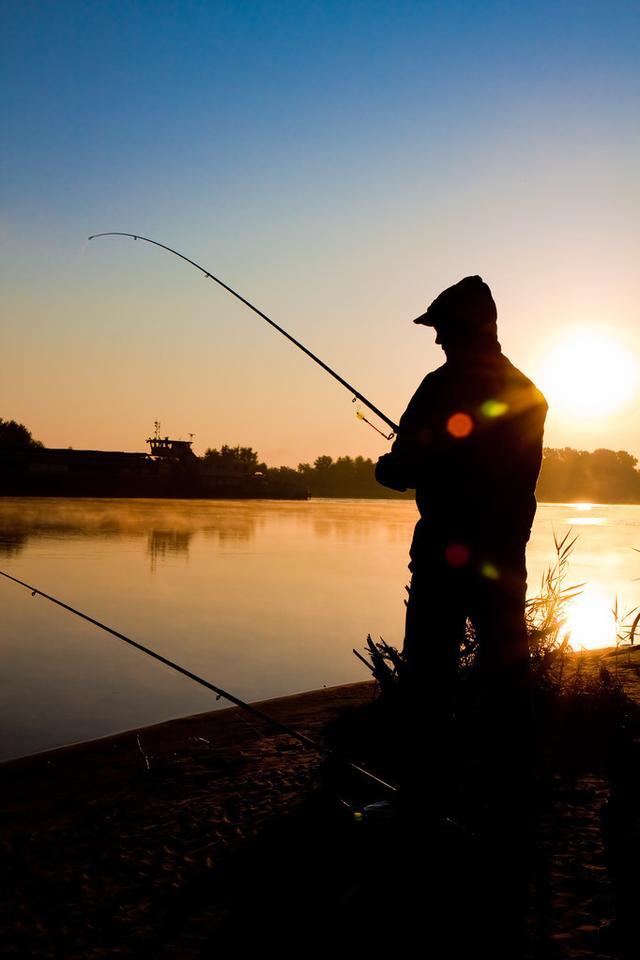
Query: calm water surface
[[264, 598]]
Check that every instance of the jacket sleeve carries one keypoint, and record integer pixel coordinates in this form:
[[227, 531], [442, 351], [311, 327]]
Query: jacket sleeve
[[400, 468], [390, 472]]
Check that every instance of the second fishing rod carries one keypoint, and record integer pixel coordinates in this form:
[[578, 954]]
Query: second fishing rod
[[214, 688]]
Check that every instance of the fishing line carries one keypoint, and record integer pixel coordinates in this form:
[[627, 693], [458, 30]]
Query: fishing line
[[362, 417], [255, 711], [247, 303], [82, 250]]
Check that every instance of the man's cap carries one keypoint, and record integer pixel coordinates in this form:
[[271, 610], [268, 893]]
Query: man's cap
[[468, 302]]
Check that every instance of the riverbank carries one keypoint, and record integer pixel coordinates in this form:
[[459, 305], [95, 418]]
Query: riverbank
[[106, 843], [146, 843]]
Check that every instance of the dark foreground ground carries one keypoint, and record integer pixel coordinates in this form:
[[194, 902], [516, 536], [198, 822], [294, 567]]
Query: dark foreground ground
[[213, 832]]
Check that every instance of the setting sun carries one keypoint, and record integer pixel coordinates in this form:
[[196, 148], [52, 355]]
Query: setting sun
[[588, 372]]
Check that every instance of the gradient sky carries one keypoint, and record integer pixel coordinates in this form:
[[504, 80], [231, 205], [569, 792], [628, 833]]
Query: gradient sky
[[339, 164]]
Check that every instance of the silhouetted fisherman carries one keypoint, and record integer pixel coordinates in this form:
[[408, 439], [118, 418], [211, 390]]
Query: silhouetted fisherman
[[470, 443]]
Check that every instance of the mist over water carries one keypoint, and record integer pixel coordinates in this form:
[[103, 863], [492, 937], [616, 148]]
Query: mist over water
[[264, 598]]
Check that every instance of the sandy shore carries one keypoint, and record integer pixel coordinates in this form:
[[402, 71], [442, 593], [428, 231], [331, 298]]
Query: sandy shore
[[129, 845], [57, 783], [101, 838]]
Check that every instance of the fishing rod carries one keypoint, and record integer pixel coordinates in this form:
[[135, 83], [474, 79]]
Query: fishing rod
[[255, 711], [356, 394]]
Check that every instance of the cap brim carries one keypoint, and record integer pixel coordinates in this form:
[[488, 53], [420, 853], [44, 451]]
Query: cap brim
[[424, 319]]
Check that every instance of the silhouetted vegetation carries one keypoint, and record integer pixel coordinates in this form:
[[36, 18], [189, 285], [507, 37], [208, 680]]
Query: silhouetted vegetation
[[15, 436], [603, 476], [582, 775], [243, 460], [600, 476], [345, 477]]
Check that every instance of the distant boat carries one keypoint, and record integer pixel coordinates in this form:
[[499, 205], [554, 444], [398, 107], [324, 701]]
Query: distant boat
[[170, 470]]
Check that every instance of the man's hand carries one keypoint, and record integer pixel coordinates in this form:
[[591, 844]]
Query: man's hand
[[390, 474]]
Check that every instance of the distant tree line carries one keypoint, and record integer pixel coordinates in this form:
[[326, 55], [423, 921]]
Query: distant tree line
[[233, 460], [601, 476], [345, 477], [15, 436]]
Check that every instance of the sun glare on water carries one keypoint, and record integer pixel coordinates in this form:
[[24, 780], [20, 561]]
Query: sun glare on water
[[588, 373], [590, 620]]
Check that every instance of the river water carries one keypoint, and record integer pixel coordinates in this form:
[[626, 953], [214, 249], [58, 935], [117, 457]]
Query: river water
[[263, 598]]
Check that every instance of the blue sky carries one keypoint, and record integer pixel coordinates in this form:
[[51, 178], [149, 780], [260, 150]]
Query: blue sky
[[339, 163]]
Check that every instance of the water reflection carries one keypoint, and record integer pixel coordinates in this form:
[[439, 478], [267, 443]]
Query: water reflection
[[168, 526], [12, 543], [591, 621], [273, 599], [162, 543], [586, 521], [232, 530]]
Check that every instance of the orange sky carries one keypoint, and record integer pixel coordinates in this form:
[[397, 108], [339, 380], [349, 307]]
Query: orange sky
[[339, 172]]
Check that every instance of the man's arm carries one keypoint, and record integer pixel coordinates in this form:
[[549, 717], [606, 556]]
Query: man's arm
[[396, 469], [389, 473], [400, 468]]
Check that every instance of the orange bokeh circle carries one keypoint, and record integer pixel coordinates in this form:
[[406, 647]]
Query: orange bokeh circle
[[459, 425]]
